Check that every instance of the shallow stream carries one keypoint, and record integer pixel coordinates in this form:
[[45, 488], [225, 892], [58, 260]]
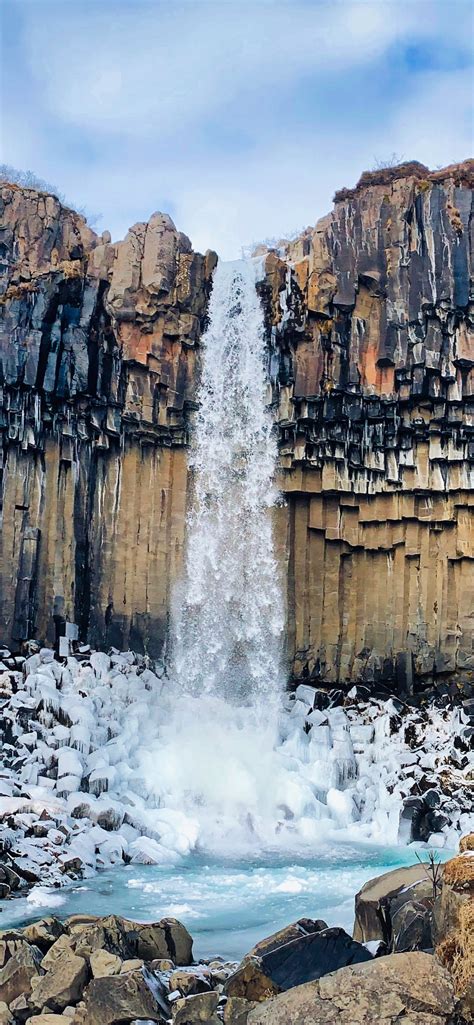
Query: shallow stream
[[226, 905]]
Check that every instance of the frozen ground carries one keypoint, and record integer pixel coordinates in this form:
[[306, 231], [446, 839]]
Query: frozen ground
[[105, 763]]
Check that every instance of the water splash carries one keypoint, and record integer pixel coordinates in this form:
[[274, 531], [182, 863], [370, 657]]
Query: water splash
[[235, 768], [229, 614]]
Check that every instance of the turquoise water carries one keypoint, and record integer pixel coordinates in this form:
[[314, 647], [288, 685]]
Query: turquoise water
[[226, 905]]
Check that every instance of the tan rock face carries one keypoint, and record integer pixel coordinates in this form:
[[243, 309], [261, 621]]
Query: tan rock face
[[102, 964], [196, 1010], [372, 372], [377, 896], [118, 998], [19, 972], [61, 985], [408, 988]]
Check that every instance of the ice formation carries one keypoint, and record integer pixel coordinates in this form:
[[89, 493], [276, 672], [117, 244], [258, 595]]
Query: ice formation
[[75, 790]]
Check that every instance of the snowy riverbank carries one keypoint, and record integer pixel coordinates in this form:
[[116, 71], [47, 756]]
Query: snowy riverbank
[[103, 762]]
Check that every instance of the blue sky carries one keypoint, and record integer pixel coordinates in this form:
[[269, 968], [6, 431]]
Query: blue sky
[[240, 118]]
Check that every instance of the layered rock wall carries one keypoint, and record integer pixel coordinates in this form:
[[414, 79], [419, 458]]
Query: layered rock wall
[[371, 361], [97, 370], [373, 386]]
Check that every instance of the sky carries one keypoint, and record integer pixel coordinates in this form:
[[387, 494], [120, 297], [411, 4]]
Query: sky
[[239, 118]]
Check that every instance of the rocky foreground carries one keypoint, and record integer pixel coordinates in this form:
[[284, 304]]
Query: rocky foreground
[[411, 961]]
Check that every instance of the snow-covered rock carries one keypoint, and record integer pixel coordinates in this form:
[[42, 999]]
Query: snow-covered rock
[[96, 771]]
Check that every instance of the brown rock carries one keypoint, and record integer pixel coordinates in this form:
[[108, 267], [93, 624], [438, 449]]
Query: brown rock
[[189, 983], [132, 964], [103, 963], [19, 972], [117, 999], [196, 1010], [44, 933], [409, 988], [167, 939], [466, 843], [64, 944], [6, 1017], [61, 985], [250, 983], [237, 1010], [47, 1019], [374, 901], [302, 927]]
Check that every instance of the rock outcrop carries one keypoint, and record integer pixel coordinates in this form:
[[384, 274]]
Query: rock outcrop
[[97, 373], [371, 367], [404, 987], [373, 381]]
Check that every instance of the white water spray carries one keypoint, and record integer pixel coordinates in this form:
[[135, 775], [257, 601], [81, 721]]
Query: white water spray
[[238, 766], [229, 613]]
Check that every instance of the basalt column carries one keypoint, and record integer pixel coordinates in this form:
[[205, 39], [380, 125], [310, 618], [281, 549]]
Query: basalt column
[[373, 385], [97, 368]]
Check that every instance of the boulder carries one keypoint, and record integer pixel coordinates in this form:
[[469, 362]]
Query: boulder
[[103, 963], [107, 934], [302, 927], [6, 1017], [291, 964], [249, 982], [63, 943], [196, 1010], [148, 941], [411, 927], [189, 982], [119, 998], [236, 1011], [132, 964], [17, 975], [167, 938], [409, 988], [47, 1019], [21, 1008], [75, 923], [61, 985], [10, 941], [380, 898], [44, 933]]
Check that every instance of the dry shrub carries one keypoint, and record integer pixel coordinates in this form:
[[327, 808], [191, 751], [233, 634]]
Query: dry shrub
[[456, 952], [459, 872], [466, 843]]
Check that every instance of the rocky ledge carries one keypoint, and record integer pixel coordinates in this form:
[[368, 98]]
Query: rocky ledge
[[411, 960]]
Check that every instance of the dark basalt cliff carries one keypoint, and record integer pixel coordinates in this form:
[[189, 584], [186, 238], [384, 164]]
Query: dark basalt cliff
[[97, 369], [371, 364], [373, 377]]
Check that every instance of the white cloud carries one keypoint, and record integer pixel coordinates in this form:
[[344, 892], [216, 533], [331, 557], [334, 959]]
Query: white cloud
[[116, 70], [230, 114]]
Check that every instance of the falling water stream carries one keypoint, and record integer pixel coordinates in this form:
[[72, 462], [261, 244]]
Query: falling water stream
[[229, 614]]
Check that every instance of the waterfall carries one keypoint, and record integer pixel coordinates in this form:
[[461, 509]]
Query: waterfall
[[236, 767], [229, 616]]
